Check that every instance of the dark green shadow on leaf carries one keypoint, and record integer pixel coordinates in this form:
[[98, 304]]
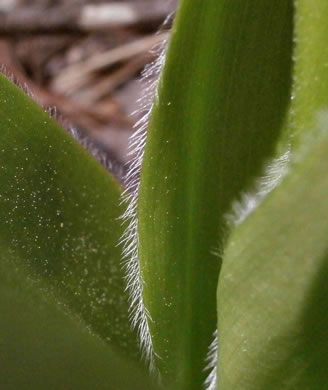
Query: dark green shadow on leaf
[[41, 347]]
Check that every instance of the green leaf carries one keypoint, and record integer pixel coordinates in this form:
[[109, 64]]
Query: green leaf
[[41, 347], [273, 291], [310, 90], [222, 101], [59, 214]]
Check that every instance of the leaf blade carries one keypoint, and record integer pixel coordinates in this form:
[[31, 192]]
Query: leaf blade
[[59, 214], [272, 292], [216, 120]]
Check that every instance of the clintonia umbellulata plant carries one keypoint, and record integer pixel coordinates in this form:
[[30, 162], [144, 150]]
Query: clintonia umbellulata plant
[[228, 189]]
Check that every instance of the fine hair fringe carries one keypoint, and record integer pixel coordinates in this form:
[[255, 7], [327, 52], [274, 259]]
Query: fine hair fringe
[[139, 314], [274, 172], [211, 360]]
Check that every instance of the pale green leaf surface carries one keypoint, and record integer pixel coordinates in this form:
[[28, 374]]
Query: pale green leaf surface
[[43, 348], [59, 214], [222, 101], [273, 290], [310, 89]]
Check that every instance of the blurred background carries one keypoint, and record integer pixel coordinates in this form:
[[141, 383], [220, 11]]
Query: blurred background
[[83, 59]]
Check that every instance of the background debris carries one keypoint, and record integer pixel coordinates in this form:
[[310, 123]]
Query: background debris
[[82, 59]]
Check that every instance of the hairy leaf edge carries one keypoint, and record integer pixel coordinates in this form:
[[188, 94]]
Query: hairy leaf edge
[[139, 315], [273, 174]]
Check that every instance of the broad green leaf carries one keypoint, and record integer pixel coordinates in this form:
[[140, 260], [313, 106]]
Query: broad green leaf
[[222, 101], [273, 291], [41, 347], [59, 214]]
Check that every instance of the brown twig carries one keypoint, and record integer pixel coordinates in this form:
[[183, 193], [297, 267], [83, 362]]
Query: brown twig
[[79, 74], [106, 85], [89, 117]]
